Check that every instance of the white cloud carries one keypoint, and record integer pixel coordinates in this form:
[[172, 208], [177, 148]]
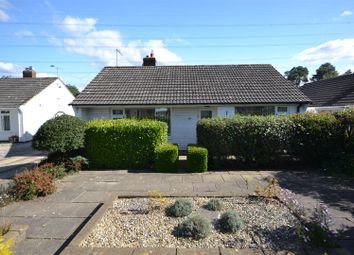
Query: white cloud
[[24, 33], [4, 4], [329, 51], [9, 68], [346, 13], [46, 75], [85, 39], [77, 26], [4, 16]]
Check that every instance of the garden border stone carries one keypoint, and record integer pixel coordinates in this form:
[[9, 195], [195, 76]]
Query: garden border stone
[[16, 233]]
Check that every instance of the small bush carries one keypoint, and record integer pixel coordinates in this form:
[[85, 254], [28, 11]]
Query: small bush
[[5, 246], [30, 184], [57, 171], [167, 158], [214, 204], [156, 200], [197, 159], [123, 143], [182, 207], [230, 221], [195, 226], [61, 134], [78, 163]]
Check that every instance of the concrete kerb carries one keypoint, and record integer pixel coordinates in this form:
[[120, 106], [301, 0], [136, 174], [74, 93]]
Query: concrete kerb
[[16, 233], [86, 230], [74, 246]]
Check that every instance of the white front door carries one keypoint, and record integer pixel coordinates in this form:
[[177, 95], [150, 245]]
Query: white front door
[[184, 126]]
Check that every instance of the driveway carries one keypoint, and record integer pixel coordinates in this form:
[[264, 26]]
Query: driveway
[[15, 158], [54, 220]]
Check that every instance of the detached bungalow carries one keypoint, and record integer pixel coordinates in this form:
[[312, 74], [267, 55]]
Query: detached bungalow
[[331, 94], [26, 103], [182, 95]]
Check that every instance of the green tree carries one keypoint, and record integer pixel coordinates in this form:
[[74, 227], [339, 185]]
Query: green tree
[[73, 89], [297, 75], [349, 71], [325, 71]]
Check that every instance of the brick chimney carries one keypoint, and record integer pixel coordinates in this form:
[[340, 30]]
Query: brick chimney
[[149, 60], [29, 73]]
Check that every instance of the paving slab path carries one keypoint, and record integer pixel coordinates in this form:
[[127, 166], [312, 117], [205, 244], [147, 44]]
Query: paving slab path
[[15, 158], [54, 220]]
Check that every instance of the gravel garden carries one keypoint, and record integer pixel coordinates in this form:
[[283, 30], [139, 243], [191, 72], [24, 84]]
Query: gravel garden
[[234, 222]]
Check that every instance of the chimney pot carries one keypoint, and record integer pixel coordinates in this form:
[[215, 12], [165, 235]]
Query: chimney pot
[[149, 60], [29, 72]]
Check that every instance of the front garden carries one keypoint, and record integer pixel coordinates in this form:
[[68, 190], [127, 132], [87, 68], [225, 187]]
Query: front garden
[[272, 219]]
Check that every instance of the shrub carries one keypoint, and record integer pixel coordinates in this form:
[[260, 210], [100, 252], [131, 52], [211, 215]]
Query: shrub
[[57, 171], [250, 139], [5, 246], [78, 163], [214, 204], [316, 136], [31, 184], [123, 143], [156, 200], [182, 207], [61, 134], [195, 226], [230, 221], [167, 158], [197, 159], [346, 129]]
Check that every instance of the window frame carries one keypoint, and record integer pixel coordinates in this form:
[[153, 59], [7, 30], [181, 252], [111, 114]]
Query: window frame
[[3, 126]]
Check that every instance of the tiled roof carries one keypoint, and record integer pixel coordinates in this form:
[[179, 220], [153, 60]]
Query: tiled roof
[[16, 91], [176, 85], [337, 91]]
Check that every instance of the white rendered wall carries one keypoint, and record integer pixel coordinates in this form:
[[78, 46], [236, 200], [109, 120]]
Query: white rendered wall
[[53, 100], [14, 125]]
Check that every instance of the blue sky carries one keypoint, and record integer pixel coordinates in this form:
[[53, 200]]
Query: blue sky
[[80, 37]]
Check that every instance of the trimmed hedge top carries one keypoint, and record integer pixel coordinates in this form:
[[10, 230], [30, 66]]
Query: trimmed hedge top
[[123, 143], [265, 140], [167, 158]]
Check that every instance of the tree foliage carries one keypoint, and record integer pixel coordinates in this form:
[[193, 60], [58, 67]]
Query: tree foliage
[[325, 71], [73, 89], [297, 75]]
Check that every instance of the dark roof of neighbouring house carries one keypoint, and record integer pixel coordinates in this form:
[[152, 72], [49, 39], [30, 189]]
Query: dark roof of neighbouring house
[[337, 91], [14, 92], [179, 85]]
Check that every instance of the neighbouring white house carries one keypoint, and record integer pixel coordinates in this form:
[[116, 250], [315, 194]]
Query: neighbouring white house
[[26, 103], [182, 95], [330, 95]]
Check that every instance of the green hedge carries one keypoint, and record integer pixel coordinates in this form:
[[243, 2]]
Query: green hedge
[[167, 158], [123, 143], [316, 136], [61, 135], [197, 159], [265, 140], [259, 139]]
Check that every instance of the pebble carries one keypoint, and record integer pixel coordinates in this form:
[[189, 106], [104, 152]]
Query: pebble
[[268, 224]]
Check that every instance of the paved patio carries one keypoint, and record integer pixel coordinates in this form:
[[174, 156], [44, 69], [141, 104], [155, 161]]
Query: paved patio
[[54, 220]]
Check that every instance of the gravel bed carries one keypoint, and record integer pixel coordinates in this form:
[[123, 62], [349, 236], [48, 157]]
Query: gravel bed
[[268, 224]]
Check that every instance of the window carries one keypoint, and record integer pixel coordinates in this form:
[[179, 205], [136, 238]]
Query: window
[[255, 110], [117, 112], [5, 120], [282, 110], [161, 114], [206, 114]]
